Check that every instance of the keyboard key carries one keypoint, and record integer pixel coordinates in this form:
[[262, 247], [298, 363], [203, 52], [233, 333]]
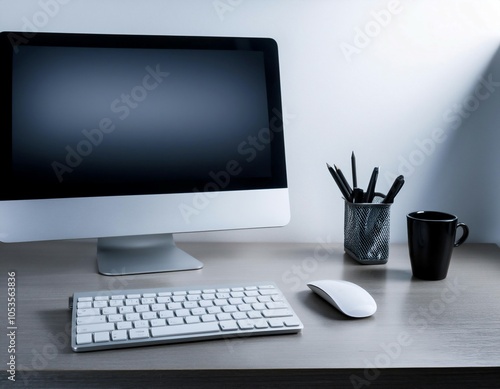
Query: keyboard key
[[192, 319], [254, 315], [174, 306], [124, 325], [115, 318], [138, 333], [276, 323], [158, 307], [244, 307], [109, 311], [229, 308], [100, 304], [141, 324], [91, 320], [157, 322], [198, 328], [245, 324], [165, 314], [239, 315], [208, 318], [268, 292], [276, 305], [276, 313], [215, 310], [83, 338], [229, 325], [148, 315], [259, 306], [132, 316], [198, 311], [261, 323], [141, 308], [101, 337], [182, 312], [190, 304], [223, 316], [175, 321], [88, 312], [86, 328], [119, 335], [291, 322], [124, 310]]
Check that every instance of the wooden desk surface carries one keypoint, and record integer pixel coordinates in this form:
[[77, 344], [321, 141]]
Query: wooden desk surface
[[437, 332]]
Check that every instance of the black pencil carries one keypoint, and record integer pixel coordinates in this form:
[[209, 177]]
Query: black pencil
[[370, 191], [354, 173], [339, 182], [344, 180]]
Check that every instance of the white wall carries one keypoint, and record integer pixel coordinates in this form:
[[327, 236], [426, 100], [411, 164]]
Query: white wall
[[398, 82]]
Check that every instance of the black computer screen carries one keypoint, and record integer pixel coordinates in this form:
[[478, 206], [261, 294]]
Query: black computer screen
[[95, 115]]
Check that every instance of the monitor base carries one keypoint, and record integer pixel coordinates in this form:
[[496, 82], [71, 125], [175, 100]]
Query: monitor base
[[142, 254]]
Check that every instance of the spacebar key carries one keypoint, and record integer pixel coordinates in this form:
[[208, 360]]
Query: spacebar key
[[185, 329]]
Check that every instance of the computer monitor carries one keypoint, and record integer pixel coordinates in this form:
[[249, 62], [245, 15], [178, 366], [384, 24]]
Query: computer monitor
[[132, 138]]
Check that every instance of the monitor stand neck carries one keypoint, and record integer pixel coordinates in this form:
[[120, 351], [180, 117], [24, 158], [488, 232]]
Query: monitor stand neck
[[142, 254]]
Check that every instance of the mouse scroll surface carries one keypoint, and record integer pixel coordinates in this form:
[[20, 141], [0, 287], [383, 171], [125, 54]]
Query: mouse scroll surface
[[349, 298]]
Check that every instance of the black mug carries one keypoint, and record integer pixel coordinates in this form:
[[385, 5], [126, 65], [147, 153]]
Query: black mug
[[431, 239]]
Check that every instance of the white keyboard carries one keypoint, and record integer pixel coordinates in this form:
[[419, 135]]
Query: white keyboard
[[129, 318]]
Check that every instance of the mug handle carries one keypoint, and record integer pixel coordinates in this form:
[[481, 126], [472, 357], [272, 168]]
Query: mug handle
[[465, 234]]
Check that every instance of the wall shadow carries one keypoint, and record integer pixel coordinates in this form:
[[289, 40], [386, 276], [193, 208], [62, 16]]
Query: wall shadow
[[467, 181]]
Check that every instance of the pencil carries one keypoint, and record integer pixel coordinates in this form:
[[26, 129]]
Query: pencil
[[354, 173], [339, 182]]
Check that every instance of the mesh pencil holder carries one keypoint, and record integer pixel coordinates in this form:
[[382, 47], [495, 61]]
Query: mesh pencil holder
[[366, 232]]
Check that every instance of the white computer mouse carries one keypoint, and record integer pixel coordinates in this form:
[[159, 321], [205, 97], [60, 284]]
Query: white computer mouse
[[349, 298]]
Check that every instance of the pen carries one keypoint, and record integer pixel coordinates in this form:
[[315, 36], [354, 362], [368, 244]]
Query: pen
[[357, 195], [344, 181], [339, 182], [354, 173], [370, 191], [395, 188]]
